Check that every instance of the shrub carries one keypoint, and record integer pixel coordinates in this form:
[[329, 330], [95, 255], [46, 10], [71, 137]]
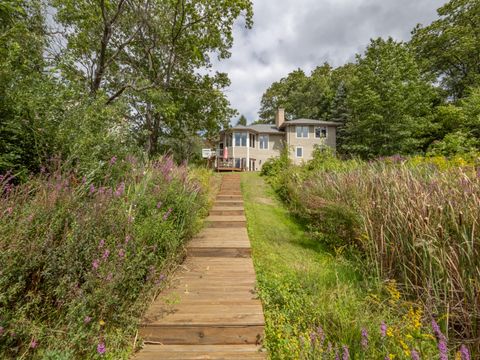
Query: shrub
[[78, 258]]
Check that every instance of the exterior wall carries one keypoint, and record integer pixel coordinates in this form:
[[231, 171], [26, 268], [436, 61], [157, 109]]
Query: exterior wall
[[276, 143], [308, 144]]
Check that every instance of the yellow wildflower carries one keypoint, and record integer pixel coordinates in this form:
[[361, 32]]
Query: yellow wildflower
[[389, 332], [101, 322]]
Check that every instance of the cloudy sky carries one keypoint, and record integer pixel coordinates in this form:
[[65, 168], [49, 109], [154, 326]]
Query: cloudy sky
[[291, 34]]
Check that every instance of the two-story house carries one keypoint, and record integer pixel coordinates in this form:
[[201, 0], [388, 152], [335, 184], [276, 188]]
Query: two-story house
[[248, 147]]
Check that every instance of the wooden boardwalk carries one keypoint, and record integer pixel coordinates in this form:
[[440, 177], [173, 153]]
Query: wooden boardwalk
[[211, 311]]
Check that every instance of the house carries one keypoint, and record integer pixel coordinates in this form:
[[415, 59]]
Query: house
[[248, 147]]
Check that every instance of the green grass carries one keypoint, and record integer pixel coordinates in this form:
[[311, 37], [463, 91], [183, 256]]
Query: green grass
[[303, 286]]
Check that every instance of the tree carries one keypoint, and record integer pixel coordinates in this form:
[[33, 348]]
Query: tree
[[390, 103], [242, 120], [449, 48], [149, 53]]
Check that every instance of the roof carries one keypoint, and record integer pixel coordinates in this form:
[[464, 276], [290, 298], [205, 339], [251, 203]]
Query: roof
[[309, 122], [259, 128]]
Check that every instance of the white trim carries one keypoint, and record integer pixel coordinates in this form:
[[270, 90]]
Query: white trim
[[302, 126], [296, 153], [259, 141], [320, 127]]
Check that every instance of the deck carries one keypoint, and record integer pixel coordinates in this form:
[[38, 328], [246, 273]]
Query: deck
[[212, 310]]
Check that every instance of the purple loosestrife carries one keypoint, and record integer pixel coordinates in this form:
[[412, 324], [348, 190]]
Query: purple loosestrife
[[321, 335], [346, 353], [87, 320], [95, 264], [364, 341], [113, 160], [33, 343], [159, 205], [464, 353], [92, 189], [106, 254], [101, 349], [415, 355], [383, 329], [101, 244], [443, 350], [120, 189], [121, 253], [167, 214]]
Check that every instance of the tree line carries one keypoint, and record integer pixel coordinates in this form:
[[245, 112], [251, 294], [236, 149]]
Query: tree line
[[420, 96], [86, 80]]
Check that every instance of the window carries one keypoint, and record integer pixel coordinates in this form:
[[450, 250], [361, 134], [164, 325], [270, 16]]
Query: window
[[263, 140], [229, 140], [320, 132], [299, 151], [302, 131], [252, 140], [240, 139]]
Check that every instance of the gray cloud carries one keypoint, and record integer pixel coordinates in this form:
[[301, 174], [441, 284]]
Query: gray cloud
[[305, 33]]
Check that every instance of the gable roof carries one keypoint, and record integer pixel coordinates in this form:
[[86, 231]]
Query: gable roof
[[259, 128]]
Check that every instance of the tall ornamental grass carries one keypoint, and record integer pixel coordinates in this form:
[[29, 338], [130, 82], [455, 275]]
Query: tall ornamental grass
[[79, 258], [415, 221]]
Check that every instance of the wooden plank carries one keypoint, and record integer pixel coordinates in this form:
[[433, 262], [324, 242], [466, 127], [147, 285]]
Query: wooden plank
[[198, 334], [196, 352], [219, 251]]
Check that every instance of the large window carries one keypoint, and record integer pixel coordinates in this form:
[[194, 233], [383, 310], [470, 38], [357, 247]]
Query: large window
[[299, 152], [263, 141], [320, 132], [240, 139], [302, 131], [252, 140]]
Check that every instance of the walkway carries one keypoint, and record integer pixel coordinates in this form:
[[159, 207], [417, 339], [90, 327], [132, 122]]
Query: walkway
[[211, 311]]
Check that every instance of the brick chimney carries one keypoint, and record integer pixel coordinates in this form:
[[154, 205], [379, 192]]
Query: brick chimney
[[280, 117]]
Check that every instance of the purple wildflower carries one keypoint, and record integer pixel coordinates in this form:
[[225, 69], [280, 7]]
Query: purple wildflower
[[167, 214], [113, 160], [109, 277], [127, 239], [101, 243], [9, 210], [95, 264], [383, 329], [92, 189], [436, 330], [443, 350], [337, 355], [321, 335], [159, 205], [346, 354], [84, 180], [105, 255], [101, 349], [415, 355], [33, 343], [120, 189], [364, 341], [464, 353], [121, 253], [87, 319]]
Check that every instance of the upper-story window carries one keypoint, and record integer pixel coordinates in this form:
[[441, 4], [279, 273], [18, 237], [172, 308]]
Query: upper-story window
[[263, 141], [320, 132], [302, 131], [240, 138], [252, 140]]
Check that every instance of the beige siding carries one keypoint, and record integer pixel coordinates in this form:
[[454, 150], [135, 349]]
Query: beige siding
[[308, 144]]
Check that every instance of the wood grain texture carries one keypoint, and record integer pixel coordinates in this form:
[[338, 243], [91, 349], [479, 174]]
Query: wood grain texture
[[211, 310]]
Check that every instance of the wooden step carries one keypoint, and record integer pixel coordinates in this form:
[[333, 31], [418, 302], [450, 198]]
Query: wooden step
[[231, 252], [203, 334], [227, 212], [195, 352], [228, 203], [229, 197]]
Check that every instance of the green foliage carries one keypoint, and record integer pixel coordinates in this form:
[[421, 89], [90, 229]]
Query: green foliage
[[412, 219], [452, 144], [242, 120], [448, 47], [312, 298], [79, 258], [389, 102]]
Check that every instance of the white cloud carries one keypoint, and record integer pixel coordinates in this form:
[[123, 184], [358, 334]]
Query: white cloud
[[293, 34]]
